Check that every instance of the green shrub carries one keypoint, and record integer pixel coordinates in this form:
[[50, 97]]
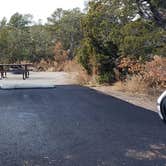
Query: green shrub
[[105, 78]]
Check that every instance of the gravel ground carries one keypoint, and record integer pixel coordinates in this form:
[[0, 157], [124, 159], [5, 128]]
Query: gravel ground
[[40, 78]]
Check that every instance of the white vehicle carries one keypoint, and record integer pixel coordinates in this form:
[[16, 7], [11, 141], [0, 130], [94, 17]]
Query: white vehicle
[[161, 106]]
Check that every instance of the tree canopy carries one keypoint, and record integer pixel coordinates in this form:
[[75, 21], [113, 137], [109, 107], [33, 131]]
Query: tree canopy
[[107, 31]]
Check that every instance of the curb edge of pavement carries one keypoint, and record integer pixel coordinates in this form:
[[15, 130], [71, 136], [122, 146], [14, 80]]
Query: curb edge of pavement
[[26, 86]]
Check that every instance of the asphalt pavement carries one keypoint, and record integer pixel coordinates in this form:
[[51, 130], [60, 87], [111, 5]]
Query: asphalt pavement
[[77, 126]]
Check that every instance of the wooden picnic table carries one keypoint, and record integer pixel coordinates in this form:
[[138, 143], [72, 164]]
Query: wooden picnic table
[[23, 68]]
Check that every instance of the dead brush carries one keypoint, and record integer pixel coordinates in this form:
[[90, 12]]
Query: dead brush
[[148, 77], [155, 72]]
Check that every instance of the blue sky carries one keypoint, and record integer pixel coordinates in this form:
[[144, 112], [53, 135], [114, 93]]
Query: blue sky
[[40, 9]]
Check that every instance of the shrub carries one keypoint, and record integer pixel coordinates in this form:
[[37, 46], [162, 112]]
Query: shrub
[[98, 59], [105, 78], [153, 73]]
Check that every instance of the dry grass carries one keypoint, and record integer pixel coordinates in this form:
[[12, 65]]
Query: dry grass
[[45, 66], [72, 66], [81, 76], [118, 86], [136, 84]]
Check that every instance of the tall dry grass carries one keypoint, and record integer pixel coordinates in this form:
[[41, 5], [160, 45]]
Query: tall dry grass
[[80, 75]]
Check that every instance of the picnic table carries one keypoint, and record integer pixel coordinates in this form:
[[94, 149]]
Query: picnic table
[[21, 68]]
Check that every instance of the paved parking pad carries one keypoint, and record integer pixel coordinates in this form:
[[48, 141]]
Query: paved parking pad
[[76, 126]]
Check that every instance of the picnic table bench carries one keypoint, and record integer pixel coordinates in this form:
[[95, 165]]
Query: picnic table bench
[[16, 69]]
